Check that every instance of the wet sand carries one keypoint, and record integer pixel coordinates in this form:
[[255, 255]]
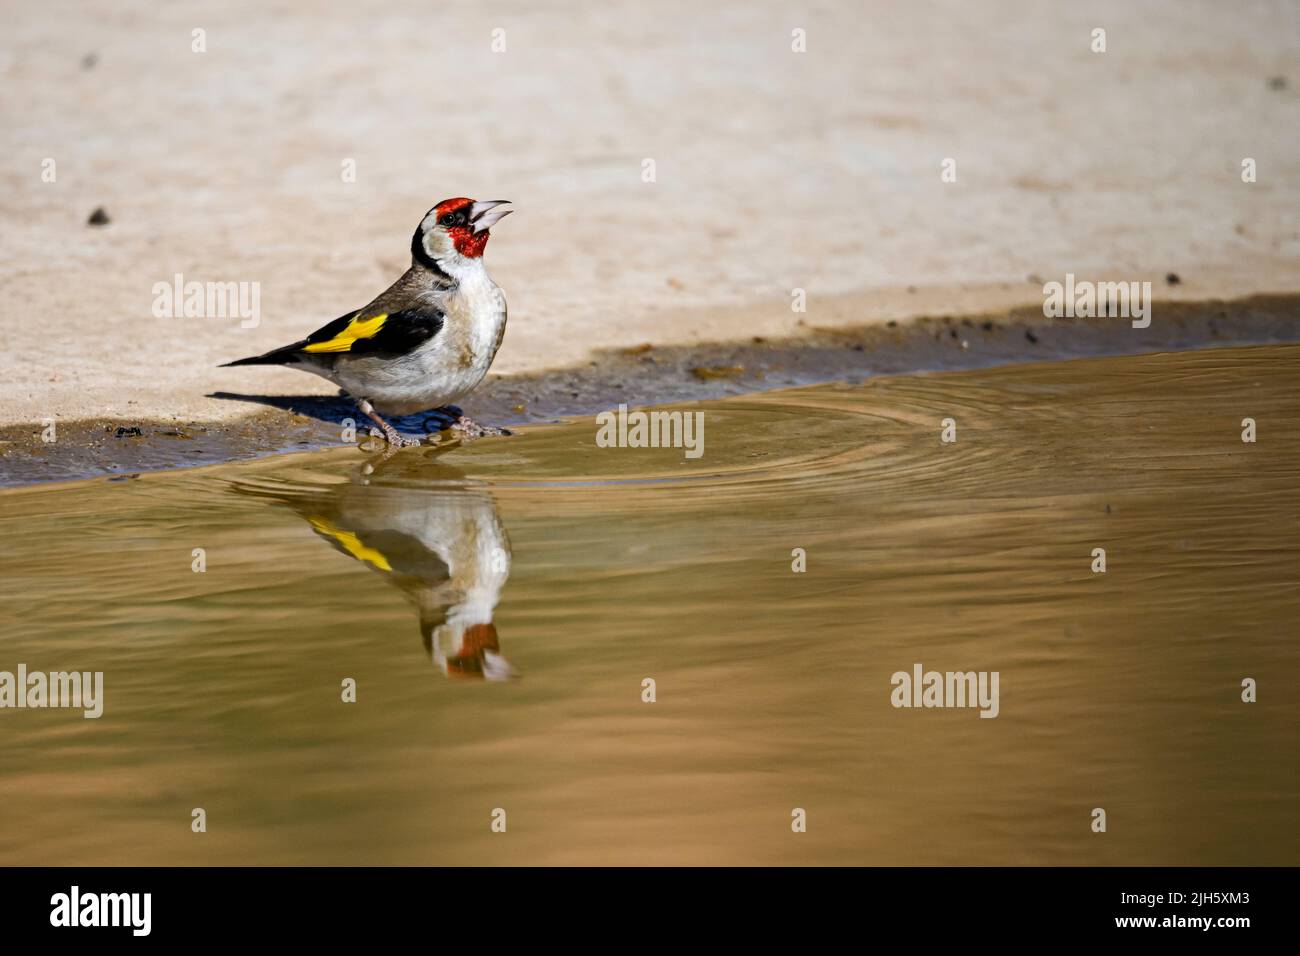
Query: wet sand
[[645, 374], [600, 567]]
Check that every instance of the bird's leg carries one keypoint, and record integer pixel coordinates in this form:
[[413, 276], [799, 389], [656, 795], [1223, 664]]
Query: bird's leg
[[390, 433]]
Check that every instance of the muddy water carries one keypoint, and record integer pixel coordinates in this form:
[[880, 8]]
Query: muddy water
[[500, 606]]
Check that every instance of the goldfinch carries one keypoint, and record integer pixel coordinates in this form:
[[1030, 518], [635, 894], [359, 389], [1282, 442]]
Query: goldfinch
[[428, 339], [438, 542]]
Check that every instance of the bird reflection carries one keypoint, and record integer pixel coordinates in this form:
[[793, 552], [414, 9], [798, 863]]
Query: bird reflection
[[415, 523]]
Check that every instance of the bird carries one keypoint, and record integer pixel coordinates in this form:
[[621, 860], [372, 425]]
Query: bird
[[428, 339], [427, 532]]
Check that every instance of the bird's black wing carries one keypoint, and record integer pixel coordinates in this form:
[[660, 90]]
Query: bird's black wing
[[398, 333], [380, 335]]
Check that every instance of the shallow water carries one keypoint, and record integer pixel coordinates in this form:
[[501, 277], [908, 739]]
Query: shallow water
[[500, 605]]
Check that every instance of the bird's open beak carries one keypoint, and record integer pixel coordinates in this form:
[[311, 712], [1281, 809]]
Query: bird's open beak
[[485, 215]]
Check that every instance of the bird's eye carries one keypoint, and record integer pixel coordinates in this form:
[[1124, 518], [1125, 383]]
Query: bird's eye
[[448, 219]]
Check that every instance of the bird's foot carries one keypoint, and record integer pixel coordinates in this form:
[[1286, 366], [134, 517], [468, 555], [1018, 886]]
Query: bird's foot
[[397, 440], [393, 439], [467, 429]]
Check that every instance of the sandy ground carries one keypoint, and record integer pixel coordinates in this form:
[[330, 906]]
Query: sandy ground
[[774, 170]]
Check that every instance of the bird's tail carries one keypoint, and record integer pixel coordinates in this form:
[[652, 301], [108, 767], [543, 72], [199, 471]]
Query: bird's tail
[[281, 356]]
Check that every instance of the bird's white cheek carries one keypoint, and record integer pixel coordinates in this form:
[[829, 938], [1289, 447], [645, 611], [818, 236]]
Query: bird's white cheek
[[438, 244]]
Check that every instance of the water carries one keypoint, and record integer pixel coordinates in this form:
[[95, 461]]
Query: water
[[500, 605]]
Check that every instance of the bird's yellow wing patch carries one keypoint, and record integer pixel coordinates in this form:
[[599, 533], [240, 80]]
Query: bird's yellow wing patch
[[354, 330], [350, 543]]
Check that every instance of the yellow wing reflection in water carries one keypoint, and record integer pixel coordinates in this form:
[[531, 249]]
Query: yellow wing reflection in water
[[424, 531]]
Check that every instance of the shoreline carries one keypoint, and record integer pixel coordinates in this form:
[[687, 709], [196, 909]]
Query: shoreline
[[118, 447]]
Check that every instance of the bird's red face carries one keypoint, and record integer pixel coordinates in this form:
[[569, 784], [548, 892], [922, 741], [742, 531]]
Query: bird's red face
[[471, 659], [460, 225]]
